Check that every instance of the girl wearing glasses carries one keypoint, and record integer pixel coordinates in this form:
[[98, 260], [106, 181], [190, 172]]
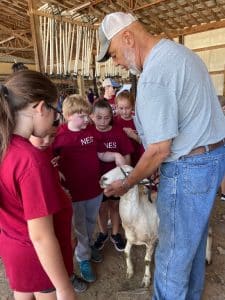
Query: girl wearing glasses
[[35, 214]]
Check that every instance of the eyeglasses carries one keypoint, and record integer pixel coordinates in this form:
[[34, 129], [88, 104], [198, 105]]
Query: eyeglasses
[[57, 113], [54, 108]]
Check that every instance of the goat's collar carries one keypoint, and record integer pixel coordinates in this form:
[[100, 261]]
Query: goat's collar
[[146, 182]]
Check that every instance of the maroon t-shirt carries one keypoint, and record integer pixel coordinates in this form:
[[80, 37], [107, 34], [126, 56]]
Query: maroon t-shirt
[[138, 148], [29, 189], [114, 140], [79, 161]]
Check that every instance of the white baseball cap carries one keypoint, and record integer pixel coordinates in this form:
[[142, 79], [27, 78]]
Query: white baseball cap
[[110, 82], [125, 87], [111, 25]]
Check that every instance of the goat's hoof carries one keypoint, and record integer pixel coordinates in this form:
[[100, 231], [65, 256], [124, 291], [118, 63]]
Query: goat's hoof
[[145, 283], [129, 275], [208, 261]]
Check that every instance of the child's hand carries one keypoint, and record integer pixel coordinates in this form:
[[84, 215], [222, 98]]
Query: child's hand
[[131, 133], [119, 160], [55, 161]]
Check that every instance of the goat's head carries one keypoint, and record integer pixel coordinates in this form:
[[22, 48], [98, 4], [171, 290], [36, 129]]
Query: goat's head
[[115, 174]]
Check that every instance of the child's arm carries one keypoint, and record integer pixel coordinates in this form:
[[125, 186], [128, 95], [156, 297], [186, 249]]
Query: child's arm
[[45, 242], [127, 159], [132, 134], [112, 156]]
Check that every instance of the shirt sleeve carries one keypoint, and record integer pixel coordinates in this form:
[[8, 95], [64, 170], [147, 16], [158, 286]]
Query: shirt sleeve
[[40, 191], [157, 113]]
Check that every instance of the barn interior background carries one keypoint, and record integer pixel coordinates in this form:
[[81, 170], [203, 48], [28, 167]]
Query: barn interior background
[[59, 37]]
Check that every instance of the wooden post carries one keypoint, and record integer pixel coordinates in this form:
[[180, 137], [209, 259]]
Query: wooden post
[[34, 21], [133, 80], [94, 77], [181, 39], [80, 84]]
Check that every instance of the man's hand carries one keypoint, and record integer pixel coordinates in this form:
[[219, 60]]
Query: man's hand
[[116, 188]]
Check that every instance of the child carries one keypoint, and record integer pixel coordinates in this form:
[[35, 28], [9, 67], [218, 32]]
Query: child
[[124, 119], [35, 214], [44, 144], [110, 87], [113, 139], [77, 145]]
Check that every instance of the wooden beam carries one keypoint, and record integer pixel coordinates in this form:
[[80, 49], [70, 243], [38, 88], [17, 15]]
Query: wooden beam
[[59, 18], [216, 72], [209, 48], [34, 21], [12, 32], [148, 5], [7, 40], [198, 28], [17, 49]]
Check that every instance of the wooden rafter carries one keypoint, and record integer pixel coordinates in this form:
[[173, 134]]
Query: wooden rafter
[[19, 36], [171, 18]]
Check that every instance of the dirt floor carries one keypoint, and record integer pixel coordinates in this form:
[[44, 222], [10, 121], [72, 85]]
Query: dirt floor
[[113, 285]]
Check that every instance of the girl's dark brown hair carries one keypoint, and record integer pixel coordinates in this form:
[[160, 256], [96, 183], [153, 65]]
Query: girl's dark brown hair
[[19, 90]]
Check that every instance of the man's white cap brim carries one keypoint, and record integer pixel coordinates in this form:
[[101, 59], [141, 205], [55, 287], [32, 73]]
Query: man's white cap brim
[[110, 26]]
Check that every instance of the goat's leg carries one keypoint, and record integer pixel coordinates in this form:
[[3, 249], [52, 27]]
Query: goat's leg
[[209, 247], [130, 270], [148, 257]]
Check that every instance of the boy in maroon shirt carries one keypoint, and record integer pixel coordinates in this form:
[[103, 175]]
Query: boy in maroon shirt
[[113, 138], [77, 144]]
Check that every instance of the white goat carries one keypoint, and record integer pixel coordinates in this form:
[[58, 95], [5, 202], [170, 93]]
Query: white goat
[[139, 220]]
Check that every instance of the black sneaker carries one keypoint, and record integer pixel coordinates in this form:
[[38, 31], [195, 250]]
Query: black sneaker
[[79, 284], [222, 197], [96, 256], [118, 241], [100, 241]]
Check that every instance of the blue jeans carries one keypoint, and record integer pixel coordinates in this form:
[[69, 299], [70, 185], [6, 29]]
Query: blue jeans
[[186, 196]]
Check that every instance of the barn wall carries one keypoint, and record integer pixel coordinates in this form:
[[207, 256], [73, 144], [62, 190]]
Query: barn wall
[[213, 58]]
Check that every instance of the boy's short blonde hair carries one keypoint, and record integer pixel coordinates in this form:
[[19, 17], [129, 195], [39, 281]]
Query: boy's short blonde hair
[[75, 104]]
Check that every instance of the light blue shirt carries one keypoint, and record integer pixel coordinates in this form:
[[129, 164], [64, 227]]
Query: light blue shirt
[[176, 100]]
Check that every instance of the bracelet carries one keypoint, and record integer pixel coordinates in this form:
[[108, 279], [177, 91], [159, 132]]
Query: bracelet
[[126, 185]]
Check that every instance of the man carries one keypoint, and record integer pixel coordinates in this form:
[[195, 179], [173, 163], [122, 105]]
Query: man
[[182, 127]]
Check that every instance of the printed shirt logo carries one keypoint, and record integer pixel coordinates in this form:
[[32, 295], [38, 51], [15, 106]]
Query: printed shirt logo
[[110, 145], [88, 140]]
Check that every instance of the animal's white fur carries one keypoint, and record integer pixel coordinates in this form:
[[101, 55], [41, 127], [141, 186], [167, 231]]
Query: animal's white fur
[[139, 220]]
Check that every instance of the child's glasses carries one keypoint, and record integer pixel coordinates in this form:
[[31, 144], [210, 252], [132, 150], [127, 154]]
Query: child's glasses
[[57, 113]]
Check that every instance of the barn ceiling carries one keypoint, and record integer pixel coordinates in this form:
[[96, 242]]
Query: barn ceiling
[[161, 17]]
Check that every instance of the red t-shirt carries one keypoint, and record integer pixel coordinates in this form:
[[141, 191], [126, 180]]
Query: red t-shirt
[[78, 161], [29, 189], [138, 148], [114, 140], [112, 103]]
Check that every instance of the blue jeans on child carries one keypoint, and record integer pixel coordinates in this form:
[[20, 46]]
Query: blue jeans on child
[[186, 196], [84, 219]]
